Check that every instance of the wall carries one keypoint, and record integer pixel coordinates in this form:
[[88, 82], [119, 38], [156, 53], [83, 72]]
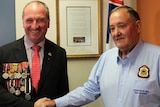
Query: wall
[[150, 15], [78, 69], [7, 22]]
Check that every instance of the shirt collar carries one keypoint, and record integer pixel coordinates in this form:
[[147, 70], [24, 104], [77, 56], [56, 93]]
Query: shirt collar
[[132, 56], [29, 44]]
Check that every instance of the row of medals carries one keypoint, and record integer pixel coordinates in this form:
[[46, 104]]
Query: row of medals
[[17, 80]]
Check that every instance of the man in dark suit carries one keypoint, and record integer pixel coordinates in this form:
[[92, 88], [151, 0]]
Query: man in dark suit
[[53, 80]]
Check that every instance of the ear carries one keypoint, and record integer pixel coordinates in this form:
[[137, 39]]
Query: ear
[[48, 23], [138, 25]]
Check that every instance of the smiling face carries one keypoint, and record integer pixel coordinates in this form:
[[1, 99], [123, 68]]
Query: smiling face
[[125, 30], [35, 22]]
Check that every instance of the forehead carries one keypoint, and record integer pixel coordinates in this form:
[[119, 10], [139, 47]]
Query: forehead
[[35, 8], [120, 14]]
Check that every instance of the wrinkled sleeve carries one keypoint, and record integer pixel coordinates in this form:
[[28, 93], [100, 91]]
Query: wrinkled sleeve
[[89, 92]]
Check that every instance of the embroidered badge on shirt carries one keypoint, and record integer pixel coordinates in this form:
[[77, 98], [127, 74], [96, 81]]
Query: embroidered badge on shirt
[[143, 72]]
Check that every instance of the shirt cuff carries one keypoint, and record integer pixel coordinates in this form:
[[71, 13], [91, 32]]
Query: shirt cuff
[[61, 102]]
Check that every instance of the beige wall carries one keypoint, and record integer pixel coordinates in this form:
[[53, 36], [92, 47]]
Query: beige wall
[[79, 69]]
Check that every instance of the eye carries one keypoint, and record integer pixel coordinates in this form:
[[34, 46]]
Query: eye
[[121, 25], [41, 20], [112, 28], [29, 21]]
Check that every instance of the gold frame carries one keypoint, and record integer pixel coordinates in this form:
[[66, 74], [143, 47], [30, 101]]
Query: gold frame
[[60, 39]]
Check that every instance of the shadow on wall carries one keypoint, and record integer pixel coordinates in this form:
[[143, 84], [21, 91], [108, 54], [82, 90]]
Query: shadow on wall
[[7, 21]]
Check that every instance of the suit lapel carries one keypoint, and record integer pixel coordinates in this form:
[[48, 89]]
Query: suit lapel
[[49, 51], [20, 51]]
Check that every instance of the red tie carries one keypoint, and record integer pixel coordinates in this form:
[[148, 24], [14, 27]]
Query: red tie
[[35, 66]]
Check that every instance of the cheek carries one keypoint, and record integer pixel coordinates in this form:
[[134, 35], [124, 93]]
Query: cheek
[[25, 26], [43, 25], [112, 36]]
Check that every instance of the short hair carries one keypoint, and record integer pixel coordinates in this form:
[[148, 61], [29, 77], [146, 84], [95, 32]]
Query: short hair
[[130, 10], [38, 2]]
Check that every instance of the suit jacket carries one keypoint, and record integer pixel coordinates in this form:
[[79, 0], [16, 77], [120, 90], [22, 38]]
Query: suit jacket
[[53, 81]]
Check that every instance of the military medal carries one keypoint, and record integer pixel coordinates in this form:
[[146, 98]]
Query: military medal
[[28, 88], [12, 90], [17, 92], [5, 67], [13, 67], [22, 81], [17, 85], [143, 72], [11, 76], [18, 75], [17, 79], [22, 88], [24, 75], [5, 75], [12, 84], [27, 96]]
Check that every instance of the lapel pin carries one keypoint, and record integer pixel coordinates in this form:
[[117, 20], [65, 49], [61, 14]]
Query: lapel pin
[[49, 54]]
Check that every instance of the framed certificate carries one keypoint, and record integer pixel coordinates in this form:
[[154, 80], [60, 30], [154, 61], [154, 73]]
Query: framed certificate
[[80, 27]]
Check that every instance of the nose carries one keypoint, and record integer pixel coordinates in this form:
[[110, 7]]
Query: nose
[[116, 32], [34, 25]]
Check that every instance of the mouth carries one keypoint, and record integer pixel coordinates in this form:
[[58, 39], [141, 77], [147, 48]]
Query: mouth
[[34, 31], [119, 38]]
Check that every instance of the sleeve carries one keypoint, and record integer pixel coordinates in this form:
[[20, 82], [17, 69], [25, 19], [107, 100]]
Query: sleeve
[[89, 92]]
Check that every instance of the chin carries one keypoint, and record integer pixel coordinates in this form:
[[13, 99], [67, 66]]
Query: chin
[[120, 47]]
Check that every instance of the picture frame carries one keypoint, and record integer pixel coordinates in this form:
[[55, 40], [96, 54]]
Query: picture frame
[[80, 27], [52, 31]]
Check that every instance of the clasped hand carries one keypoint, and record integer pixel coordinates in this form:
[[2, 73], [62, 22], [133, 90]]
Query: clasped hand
[[45, 102]]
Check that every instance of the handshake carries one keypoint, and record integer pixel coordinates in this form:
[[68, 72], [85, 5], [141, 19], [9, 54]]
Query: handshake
[[45, 102]]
